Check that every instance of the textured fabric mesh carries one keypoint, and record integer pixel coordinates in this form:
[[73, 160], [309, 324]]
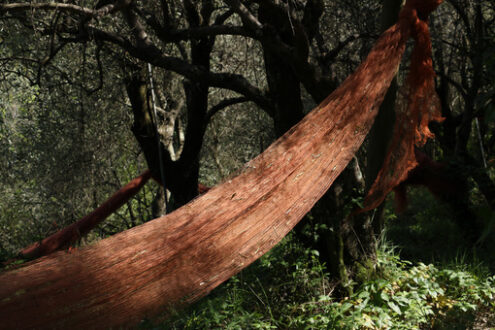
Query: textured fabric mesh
[[416, 106]]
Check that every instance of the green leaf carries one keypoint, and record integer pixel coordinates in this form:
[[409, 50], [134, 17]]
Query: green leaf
[[394, 307], [364, 294]]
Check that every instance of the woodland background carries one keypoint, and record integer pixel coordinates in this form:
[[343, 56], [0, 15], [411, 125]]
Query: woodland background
[[77, 122]]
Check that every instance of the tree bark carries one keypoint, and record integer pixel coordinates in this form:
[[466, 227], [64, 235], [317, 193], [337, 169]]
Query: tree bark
[[382, 129], [284, 86], [181, 175], [197, 108]]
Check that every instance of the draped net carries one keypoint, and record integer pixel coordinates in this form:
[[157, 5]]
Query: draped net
[[416, 106], [178, 258]]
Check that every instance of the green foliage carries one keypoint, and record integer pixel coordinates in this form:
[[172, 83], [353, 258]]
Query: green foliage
[[288, 288], [405, 297], [275, 292]]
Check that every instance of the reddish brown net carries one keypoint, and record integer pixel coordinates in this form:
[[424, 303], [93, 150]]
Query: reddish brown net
[[179, 258], [417, 105], [72, 233], [65, 237]]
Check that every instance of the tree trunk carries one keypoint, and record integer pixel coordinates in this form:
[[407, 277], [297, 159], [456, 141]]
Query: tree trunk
[[181, 176], [383, 127], [284, 86], [356, 234], [143, 127], [197, 107], [339, 244]]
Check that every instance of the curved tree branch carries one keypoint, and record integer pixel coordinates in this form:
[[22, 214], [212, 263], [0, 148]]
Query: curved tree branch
[[146, 51], [204, 31], [248, 19], [153, 55], [222, 105], [108, 9]]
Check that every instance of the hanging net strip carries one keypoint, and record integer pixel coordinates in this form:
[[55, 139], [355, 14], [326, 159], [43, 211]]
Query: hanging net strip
[[69, 235], [65, 237], [174, 260], [416, 106]]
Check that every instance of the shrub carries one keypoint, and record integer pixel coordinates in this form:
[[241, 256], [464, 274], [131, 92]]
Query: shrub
[[289, 288]]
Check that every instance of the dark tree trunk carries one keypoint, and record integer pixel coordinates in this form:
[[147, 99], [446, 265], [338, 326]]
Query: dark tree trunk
[[344, 241], [454, 134], [339, 244], [284, 86], [143, 126], [197, 107], [353, 237], [382, 129], [180, 176]]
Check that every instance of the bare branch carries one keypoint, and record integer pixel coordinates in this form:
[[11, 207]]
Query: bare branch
[[248, 19], [223, 17], [167, 34], [151, 54], [146, 51], [137, 28], [454, 83], [15, 7], [18, 58], [204, 31], [222, 105], [332, 54]]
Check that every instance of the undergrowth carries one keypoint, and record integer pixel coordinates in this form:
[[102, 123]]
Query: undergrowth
[[289, 289]]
